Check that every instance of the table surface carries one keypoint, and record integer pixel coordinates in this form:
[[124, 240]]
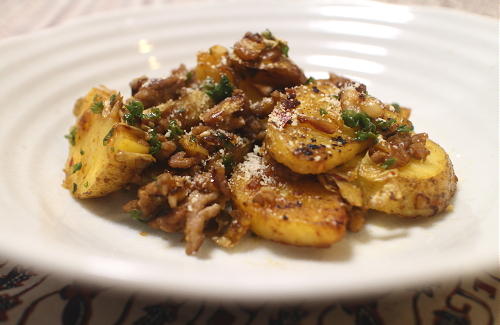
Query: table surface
[[30, 297]]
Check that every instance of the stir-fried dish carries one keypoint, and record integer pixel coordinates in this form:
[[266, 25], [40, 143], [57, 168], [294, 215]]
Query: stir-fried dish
[[245, 141]]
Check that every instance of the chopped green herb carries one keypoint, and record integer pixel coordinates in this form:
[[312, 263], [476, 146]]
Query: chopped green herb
[[153, 114], [396, 106], [77, 167], [71, 136], [228, 162], [86, 184], [405, 128], [82, 152], [284, 49], [226, 141], [108, 136], [97, 105], [388, 162], [309, 81], [112, 100], [174, 131], [337, 97], [267, 34], [192, 138], [363, 135], [384, 124], [219, 91], [74, 187], [322, 112], [189, 76], [354, 119], [136, 214], [134, 114], [154, 143]]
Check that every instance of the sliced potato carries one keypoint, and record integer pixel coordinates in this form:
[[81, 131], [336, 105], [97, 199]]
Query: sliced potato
[[213, 64], [105, 154], [420, 188], [286, 207], [306, 132]]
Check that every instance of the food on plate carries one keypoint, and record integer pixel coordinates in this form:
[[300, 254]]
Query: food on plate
[[244, 142], [287, 207], [420, 188]]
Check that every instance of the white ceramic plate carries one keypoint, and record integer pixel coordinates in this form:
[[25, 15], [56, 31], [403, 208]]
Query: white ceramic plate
[[441, 63]]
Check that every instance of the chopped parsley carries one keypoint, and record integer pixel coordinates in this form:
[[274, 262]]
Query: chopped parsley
[[192, 138], [153, 114], [228, 162], [226, 141], [219, 91], [77, 167], [309, 80], [337, 97], [74, 187], [384, 124], [86, 184], [322, 112], [71, 136], [189, 76], [360, 120], [134, 114], [136, 214], [174, 131], [112, 99], [97, 105], [388, 162], [82, 152], [363, 135], [108, 136], [267, 34], [405, 128], [396, 106], [154, 143], [284, 49]]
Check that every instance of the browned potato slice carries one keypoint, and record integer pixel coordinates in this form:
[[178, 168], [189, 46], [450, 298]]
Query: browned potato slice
[[421, 188], [213, 64], [105, 154], [286, 207], [306, 132]]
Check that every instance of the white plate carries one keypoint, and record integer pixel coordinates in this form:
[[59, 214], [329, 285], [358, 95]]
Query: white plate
[[441, 63]]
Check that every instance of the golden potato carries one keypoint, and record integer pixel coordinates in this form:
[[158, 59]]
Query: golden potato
[[286, 207], [105, 154], [213, 64], [306, 132], [420, 188]]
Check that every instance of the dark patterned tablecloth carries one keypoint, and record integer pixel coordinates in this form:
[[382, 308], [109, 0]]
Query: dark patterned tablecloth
[[28, 297]]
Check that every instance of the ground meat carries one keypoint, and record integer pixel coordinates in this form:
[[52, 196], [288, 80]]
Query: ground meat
[[219, 176], [401, 147], [137, 83], [225, 114], [179, 160], [249, 47], [167, 149], [235, 231], [157, 91], [199, 212], [264, 62], [152, 196], [343, 82], [173, 221]]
